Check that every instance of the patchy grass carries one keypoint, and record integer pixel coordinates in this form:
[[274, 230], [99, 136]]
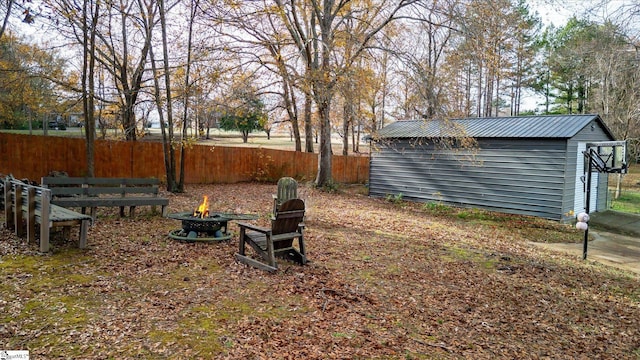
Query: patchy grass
[[525, 227], [386, 280], [628, 202], [629, 199]]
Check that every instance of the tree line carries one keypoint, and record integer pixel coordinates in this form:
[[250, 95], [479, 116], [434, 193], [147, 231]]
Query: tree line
[[317, 68]]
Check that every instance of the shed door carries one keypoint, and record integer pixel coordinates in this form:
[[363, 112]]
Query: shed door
[[579, 204]]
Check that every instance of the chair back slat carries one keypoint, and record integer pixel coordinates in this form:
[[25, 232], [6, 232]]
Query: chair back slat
[[290, 215]]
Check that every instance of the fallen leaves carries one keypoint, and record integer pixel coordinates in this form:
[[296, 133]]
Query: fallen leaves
[[384, 281]]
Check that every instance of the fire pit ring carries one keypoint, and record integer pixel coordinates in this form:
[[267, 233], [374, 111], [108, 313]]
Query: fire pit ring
[[181, 235], [206, 228]]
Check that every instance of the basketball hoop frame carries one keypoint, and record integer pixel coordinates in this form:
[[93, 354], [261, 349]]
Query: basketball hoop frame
[[603, 157], [607, 156]]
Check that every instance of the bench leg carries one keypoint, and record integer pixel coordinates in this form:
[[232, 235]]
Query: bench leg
[[8, 216], [241, 243], [31, 228], [121, 211], [19, 228], [94, 213], [82, 240], [132, 211], [18, 219], [44, 237], [270, 252]]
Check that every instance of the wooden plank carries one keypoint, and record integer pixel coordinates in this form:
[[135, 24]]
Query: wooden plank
[[17, 215], [70, 180], [31, 215], [8, 207], [95, 191], [111, 202], [61, 180], [257, 264], [45, 225], [59, 214]]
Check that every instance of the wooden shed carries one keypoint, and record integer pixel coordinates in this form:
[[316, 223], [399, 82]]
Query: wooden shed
[[530, 165]]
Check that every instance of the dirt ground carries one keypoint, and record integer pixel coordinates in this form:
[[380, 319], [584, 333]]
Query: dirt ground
[[386, 281]]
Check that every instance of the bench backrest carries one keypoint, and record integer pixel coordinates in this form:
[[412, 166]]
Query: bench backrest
[[87, 186], [28, 199]]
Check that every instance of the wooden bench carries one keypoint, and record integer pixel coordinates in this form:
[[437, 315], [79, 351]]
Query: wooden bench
[[86, 192], [28, 205]]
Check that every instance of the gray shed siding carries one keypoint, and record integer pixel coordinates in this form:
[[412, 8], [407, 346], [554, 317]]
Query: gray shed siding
[[526, 176], [587, 134], [524, 165]]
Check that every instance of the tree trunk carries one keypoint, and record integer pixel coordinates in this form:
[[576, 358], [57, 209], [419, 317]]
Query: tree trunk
[[88, 84], [308, 126], [292, 111], [172, 185], [187, 85], [324, 177], [6, 17], [128, 115], [618, 186], [167, 149], [346, 119], [355, 139], [547, 92], [479, 95]]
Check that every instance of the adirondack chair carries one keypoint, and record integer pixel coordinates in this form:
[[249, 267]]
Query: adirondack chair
[[287, 190], [286, 227]]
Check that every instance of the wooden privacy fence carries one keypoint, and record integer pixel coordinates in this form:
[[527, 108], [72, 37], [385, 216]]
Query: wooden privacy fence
[[29, 156]]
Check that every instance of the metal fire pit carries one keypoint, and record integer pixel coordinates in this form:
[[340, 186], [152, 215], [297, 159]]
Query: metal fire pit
[[205, 229]]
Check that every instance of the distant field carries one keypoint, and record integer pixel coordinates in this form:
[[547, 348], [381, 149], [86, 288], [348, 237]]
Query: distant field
[[216, 137]]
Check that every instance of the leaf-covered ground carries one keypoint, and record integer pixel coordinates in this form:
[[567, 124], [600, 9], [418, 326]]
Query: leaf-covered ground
[[387, 280]]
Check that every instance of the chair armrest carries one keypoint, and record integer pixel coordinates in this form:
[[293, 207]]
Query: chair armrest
[[286, 236], [254, 227]]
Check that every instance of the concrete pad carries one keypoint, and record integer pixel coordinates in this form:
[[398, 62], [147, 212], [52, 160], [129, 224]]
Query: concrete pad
[[616, 222], [620, 251]]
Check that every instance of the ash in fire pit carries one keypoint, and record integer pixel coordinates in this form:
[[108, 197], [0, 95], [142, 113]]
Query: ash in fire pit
[[202, 225]]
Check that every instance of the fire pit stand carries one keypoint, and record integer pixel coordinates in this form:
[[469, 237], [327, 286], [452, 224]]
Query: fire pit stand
[[205, 229]]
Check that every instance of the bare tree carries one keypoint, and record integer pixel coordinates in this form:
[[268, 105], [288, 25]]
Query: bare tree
[[90, 13], [314, 26], [167, 131], [121, 47], [432, 31], [254, 35], [8, 7]]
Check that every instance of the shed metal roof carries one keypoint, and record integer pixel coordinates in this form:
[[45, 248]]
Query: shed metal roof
[[547, 126]]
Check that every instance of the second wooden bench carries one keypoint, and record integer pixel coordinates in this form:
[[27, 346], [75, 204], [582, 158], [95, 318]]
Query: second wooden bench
[[89, 192], [27, 205]]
